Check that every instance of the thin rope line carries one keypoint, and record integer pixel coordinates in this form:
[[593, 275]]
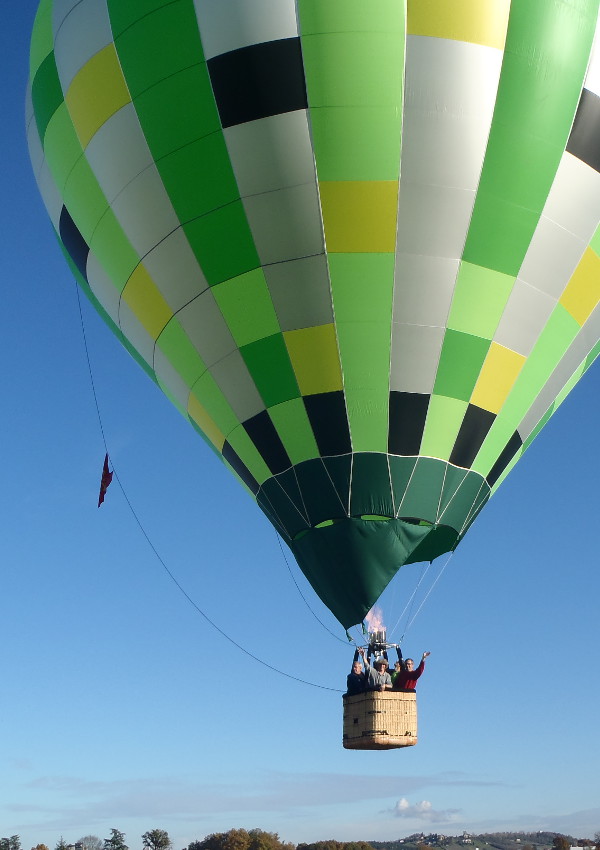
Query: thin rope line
[[350, 482], [276, 521], [464, 478], [412, 600], [409, 604], [89, 365], [337, 637], [470, 514], [414, 469], [360, 633], [157, 555], [205, 616], [429, 591], [437, 513], [304, 515], [332, 483]]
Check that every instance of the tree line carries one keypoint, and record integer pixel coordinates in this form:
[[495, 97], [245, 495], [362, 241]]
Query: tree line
[[158, 839], [242, 839]]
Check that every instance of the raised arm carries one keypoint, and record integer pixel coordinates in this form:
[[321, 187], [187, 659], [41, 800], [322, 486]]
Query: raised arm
[[364, 658], [421, 666]]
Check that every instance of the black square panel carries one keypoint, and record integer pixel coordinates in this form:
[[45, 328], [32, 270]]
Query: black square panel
[[584, 141], [75, 244], [258, 81], [329, 422], [262, 432], [408, 412], [507, 454], [473, 431]]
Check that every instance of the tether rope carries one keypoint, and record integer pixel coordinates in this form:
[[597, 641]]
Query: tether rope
[[155, 551]]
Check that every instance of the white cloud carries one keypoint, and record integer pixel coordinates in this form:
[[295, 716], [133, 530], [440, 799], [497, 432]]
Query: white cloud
[[424, 811]]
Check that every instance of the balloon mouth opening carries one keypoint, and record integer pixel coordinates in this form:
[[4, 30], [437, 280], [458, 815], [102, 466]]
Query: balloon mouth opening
[[349, 561], [365, 517]]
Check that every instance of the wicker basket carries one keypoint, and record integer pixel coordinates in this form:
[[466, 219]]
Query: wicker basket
[[380, 720]]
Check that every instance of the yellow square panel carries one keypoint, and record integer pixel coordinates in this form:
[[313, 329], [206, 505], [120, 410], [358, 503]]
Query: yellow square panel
[[97, 92], [499, 372], [582, 292], [146, 302], [360, 216], [477, 21], [315, 359], [205, 422]]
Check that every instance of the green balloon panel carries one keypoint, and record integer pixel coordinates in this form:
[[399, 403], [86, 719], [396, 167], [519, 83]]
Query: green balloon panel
[[356, 244]]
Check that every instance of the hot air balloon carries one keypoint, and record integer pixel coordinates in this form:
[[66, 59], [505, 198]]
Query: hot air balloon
[[355, 243]]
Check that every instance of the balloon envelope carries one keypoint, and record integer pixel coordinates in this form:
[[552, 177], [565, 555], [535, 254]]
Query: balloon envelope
[[355, 243]]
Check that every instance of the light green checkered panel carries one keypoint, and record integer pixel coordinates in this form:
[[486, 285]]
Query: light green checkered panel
[[190, 155], [533, 117], [354, 65], [355, 136], [85, 200], [552, 344], [41, 38], [362, 295]]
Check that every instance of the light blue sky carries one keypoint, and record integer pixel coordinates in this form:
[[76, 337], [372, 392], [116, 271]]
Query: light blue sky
[[122, 708]]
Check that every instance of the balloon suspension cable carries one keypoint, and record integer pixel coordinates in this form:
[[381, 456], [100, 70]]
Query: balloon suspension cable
[[158, 556], [438, 577], [337, 637], [409, 605]]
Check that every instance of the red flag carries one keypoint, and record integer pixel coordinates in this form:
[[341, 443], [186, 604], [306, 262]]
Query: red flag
[[104, 481]]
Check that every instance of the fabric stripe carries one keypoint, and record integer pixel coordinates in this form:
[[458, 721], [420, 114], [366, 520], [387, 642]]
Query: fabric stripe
[[46, 93], [233, 377], [354, 76], [573, 360], [97, 91], [554, 341], [498, 374], [293, 427], [226, 27], [542, 74], [42, 37], [451, 89], [506, 455], [84, 30], [315, 359], [263, 434], [464, 20], [444, 419]]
